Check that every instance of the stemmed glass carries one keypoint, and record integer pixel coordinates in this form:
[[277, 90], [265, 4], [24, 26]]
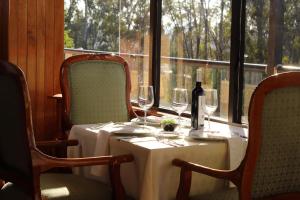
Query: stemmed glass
[[211, 103], [180, 102], [145, 98]]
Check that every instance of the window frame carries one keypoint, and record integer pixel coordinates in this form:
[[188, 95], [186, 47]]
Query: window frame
[[236, 81]]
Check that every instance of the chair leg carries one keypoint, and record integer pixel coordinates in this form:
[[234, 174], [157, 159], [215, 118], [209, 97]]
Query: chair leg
[[115, 178], [184, 185], [1, 183]]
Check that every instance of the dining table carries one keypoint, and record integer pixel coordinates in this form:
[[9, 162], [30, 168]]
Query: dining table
[[151, 176]]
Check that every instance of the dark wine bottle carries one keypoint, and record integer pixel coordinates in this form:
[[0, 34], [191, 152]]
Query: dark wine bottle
[[197, 109]]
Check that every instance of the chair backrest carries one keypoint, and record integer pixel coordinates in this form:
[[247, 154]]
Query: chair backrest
[[15, 124], [96, 88], [273, 155]]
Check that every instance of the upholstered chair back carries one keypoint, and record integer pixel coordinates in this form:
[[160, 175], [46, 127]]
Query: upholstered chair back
[[97, 89], [277, 167], [14, 152]]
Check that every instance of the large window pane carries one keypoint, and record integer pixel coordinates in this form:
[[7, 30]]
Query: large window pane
[[195, 34], [113, 26], [272, 36]]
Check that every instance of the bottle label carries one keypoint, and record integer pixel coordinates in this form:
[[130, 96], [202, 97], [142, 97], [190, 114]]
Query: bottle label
[[201, 104]]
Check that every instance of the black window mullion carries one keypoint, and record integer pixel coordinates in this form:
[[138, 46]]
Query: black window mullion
[[236, 83], [155, 42]]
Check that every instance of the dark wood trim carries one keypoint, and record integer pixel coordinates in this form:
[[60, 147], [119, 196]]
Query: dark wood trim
[[155, 48], [276, 30], [184, 184], [236, 81], [4, 14]]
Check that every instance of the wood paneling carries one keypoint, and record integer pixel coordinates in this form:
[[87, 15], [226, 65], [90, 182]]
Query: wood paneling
[[36, 44], [3, 30]]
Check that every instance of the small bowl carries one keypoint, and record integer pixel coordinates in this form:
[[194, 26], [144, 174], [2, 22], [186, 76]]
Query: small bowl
[[168, 124]]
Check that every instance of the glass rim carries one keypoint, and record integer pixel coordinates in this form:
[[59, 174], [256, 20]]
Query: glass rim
[[210, 89], [145, 85], [180, 89]]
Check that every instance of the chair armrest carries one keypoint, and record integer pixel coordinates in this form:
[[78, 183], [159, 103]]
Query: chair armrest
[[45, 162], [223, 174], [1, 183], [57, 143], [186, 176]]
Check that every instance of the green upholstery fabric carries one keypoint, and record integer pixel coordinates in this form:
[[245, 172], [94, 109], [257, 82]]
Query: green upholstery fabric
[[229, 194], [14, 152], [72, 187], [12, 192], [97, 90], [278, 167]]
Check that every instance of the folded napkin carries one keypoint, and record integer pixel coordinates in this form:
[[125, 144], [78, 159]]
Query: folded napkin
[[207, 135], [129, 129], [152, 119], [93, 141]]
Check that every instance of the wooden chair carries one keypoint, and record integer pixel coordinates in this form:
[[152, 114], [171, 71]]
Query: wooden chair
[[22, 164], [95, 89], [270, 168]]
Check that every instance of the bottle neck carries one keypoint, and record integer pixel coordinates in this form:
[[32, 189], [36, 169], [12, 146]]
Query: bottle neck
[[198, 84]]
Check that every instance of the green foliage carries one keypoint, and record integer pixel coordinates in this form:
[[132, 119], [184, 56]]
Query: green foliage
[[68, 41], [168, 124], [199, 29], [168, 121]]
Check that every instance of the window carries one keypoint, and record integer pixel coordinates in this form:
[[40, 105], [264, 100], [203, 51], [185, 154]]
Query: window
[[195, 34], [112, 26], [236, 43], [271, 38]]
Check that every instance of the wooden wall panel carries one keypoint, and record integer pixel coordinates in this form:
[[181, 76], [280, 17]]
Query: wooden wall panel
[[40, 61], [22, 33], [32, 54], [58, 45], [3, 30], [49, 61], [13, 27], [36, 45]]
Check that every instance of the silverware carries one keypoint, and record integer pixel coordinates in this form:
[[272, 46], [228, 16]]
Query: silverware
[[172, 143], [239, 135], [101, 125]]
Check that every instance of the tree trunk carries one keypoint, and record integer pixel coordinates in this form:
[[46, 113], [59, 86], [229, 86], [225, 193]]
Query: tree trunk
[[259, 5], [85, 30], [221, 33], [275, 35], [205, 32]]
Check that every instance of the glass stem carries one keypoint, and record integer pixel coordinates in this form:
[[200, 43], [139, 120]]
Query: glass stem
[[179, 120], [145, 115], [208, 119]]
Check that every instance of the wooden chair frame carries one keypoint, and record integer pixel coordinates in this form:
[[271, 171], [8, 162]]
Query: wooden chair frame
[[242, 177], [65, 85], [42, 162]]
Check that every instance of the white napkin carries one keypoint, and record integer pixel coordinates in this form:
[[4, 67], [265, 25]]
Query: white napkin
[[92, 142], [153, 119], [237, 148], [130, 129], [102, 144]]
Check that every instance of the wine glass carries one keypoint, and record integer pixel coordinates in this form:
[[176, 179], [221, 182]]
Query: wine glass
[[145, 98], [211, 103], [180, 102]]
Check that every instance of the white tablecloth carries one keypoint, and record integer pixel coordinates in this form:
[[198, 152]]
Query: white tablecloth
[[152, 176]]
